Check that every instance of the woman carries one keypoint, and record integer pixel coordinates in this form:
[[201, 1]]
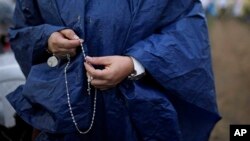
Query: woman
[[172, 99]]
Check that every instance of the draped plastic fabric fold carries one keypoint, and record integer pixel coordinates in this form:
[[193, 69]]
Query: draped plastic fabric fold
[[43, 103], [175, 100]]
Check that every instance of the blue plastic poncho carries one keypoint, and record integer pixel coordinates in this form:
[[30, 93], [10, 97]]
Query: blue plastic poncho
[[175, 101]]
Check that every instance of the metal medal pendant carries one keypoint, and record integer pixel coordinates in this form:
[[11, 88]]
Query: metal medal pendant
[[52, 61]]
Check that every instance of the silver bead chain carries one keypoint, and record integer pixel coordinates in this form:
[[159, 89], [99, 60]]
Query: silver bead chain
[[88, 90], [84, 56]]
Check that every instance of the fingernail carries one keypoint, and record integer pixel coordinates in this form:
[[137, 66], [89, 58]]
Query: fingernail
[[88, 58], [76, 37], [81, 40]]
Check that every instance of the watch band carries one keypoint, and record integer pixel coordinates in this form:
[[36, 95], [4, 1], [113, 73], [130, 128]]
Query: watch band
[[139, 70]]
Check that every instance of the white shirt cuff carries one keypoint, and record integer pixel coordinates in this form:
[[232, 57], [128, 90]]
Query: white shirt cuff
[[139, 69]]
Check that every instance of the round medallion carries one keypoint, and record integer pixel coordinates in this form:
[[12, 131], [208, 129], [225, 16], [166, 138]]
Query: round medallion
[[52, 61]]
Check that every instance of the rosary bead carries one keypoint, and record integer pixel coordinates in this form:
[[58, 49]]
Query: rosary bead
[[88, 90]]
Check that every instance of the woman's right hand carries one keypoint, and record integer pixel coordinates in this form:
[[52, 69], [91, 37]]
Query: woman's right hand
[[63, 42]]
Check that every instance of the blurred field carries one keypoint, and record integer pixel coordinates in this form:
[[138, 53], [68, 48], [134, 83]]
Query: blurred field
[[230, 40]]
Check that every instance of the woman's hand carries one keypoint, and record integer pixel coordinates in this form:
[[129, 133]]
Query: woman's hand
[[116, 68], [63, 42]]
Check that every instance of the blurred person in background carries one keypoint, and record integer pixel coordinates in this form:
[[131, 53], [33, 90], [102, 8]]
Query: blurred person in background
[[210, 7], [247, 11], [212, 10], [222, 7], [12, 127], [6, 12], [238, 8]]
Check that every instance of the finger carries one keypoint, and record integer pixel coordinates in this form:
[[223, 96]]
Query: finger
[[101, 87], [99, 83], [58, 44], [69, 44], [61, 51], [69, 34], [95, 73], [62, 54], [99, 60], [53, 41]]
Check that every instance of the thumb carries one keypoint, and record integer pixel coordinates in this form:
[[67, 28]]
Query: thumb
[[99, 60], [69, 34]]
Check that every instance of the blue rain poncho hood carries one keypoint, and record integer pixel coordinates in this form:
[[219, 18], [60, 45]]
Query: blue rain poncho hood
[[175, 101]]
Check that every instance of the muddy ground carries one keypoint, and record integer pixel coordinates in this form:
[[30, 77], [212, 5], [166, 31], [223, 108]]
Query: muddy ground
[[230, 40]]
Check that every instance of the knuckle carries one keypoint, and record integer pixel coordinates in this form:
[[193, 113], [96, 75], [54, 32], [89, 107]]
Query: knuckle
[[65, 30], [53, 42], [106, 82], [93, 73], [109, 78], [69, 32]]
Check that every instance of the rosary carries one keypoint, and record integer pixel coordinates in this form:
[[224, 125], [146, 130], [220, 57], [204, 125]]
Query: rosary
[[52, 62]]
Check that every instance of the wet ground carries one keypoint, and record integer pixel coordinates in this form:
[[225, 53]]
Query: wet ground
[[230, 40]]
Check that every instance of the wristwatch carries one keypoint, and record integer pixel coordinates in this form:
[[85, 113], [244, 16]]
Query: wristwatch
[[139, 70]]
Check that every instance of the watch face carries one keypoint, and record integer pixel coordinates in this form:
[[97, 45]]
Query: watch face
[[52, 61], [136, 77]]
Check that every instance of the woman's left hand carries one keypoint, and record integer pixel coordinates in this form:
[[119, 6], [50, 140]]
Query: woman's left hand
[[116, 68]]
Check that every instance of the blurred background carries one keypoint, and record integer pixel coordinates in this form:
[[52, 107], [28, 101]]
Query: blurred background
[[12, 128], [229, 29]]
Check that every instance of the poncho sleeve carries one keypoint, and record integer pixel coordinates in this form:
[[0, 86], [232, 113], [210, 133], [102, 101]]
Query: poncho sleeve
[[177, 55], [29, 34]]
